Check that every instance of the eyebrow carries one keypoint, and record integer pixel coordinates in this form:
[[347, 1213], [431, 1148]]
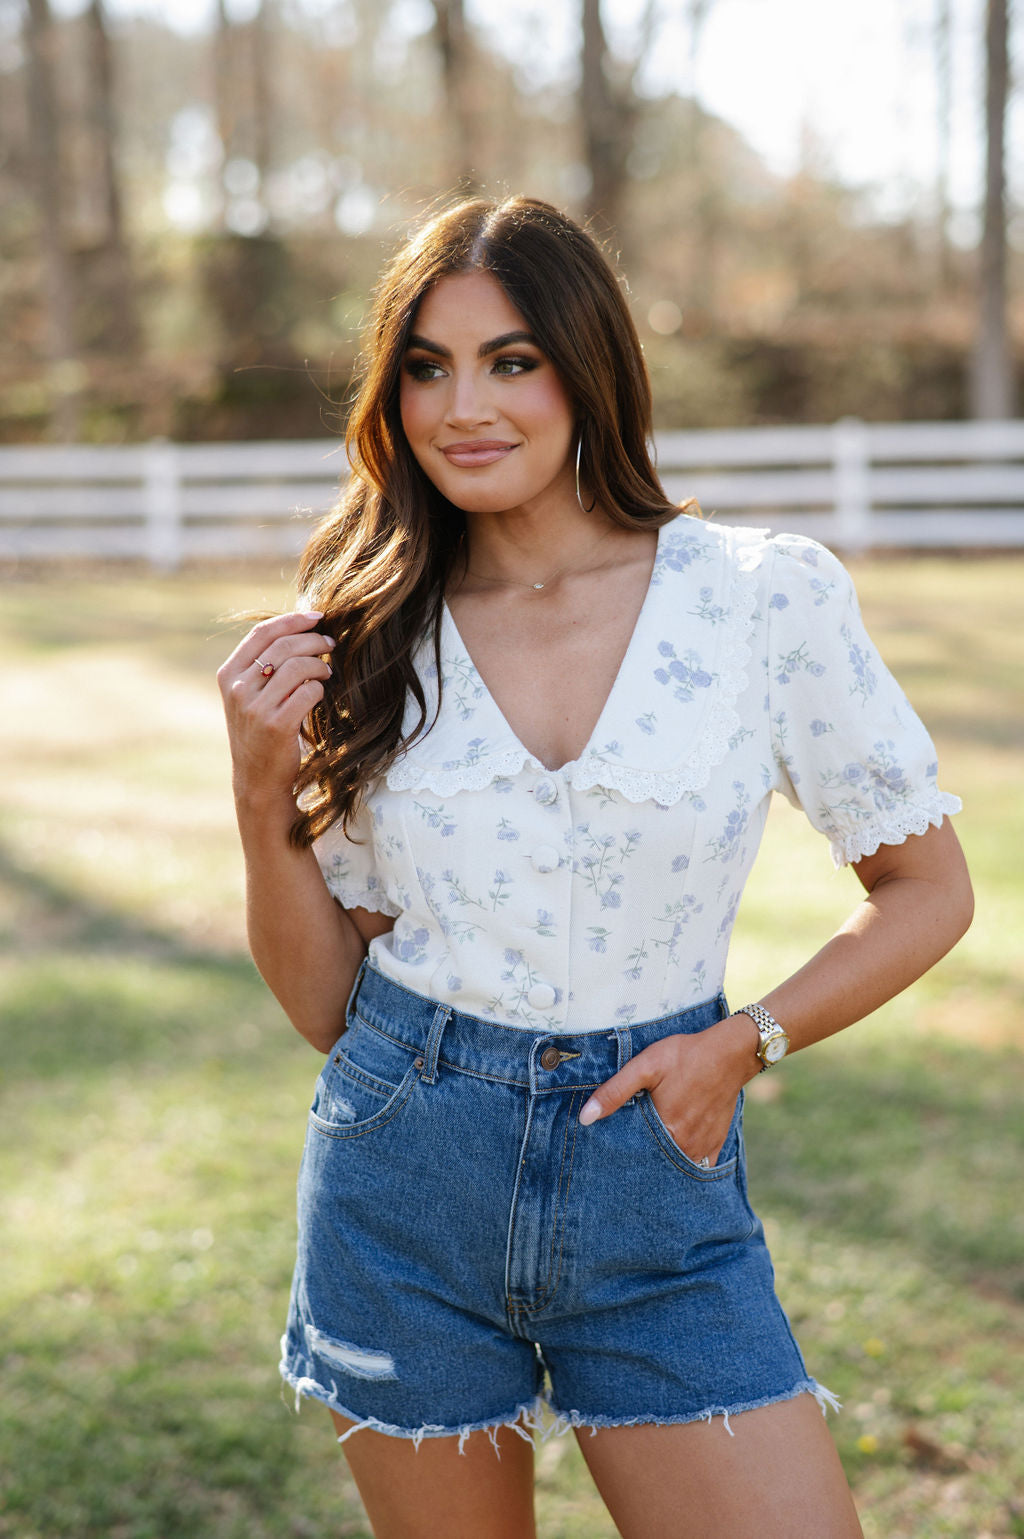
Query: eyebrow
[[483, 351]]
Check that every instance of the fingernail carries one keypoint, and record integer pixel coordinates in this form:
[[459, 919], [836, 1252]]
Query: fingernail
[[312, 614], [590, 1112], [330, 641]]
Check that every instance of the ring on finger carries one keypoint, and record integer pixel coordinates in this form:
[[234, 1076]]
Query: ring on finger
[[265, 668]]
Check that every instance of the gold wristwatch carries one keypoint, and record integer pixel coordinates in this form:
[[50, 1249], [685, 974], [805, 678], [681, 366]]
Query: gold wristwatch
[[774, 1043]]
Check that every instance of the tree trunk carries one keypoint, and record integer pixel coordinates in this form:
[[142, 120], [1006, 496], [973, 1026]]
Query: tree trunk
[[262, 94], [452, 43], [116, 263], [707, 201], [944, 122], [992, 385], [225, 96], [607, 121], [58, 280]]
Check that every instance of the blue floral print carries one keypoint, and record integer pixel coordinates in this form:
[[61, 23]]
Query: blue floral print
[[612, 896], [464, 685], [686, 674], [726, 845], [436, 817], [797, 661], [863, 680], [707, 609], [410, 944]]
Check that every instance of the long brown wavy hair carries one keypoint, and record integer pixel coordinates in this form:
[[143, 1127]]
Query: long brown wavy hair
[[378, 564]]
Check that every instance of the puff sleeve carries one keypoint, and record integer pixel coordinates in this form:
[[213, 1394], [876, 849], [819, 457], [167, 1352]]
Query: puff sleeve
[[849, 748], [349, 866]]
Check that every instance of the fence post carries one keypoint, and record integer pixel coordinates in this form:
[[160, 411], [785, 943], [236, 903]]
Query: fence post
[[852, 490], [162, 502]]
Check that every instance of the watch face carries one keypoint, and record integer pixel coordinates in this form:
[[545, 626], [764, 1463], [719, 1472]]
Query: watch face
[[775, 1047]]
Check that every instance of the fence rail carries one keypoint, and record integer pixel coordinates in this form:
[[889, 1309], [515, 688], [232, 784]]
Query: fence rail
[[854, 485]]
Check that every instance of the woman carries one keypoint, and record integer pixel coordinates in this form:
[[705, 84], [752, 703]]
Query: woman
[[543, 712]]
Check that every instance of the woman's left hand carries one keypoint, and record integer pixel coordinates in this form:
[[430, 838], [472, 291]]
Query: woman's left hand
[[693, 1082]]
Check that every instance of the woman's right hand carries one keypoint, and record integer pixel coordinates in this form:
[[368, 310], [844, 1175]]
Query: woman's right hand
[[265, 710]]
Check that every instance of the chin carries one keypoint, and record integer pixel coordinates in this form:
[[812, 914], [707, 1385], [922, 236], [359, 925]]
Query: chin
[[491, 501]]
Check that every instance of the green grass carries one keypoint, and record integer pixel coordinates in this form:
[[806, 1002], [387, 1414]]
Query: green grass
[[153, 1102]]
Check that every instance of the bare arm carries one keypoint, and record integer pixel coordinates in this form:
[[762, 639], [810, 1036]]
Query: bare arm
[[306, 946], [918, 905]]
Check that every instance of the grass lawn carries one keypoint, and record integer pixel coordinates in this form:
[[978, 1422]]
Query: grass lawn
[[153, 1101]]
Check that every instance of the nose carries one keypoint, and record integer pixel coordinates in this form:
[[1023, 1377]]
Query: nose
[[469, 403]]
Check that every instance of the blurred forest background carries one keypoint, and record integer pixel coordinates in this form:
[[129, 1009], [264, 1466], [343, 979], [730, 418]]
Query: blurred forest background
[[195, 207]]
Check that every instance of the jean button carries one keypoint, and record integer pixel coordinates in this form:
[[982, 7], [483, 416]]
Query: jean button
[[550, 1058]]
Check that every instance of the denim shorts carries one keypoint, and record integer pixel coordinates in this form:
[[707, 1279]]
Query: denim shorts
[[471, 1257]]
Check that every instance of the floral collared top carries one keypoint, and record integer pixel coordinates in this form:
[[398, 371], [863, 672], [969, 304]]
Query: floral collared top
[[605, 892]]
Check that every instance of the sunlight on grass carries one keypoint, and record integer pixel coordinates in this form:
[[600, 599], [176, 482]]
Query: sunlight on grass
[[154, 1101]]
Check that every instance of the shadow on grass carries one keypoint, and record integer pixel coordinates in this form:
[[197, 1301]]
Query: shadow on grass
[[52, 914], [88, 987]]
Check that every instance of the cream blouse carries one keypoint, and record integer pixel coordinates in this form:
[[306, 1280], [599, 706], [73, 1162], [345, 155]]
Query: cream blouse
[[606, 891]]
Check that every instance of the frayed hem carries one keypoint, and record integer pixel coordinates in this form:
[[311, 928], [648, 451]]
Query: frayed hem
[[572, 1421], [537, 1418], [527, 1420]]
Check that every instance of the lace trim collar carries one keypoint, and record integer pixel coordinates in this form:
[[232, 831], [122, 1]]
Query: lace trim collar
[[671, 713]]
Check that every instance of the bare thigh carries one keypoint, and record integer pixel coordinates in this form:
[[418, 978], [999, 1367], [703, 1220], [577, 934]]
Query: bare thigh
[[777, 1477], [419, 1493]]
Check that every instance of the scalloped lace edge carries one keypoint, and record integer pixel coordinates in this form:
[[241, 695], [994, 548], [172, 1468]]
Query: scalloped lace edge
[[358, 897], [664, 786], [895, 828], [410, 776]]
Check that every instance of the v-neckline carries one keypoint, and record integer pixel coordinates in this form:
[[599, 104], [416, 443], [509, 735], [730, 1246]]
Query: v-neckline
[[616, 683]]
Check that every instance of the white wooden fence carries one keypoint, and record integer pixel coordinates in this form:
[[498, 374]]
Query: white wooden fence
[[854, 485]]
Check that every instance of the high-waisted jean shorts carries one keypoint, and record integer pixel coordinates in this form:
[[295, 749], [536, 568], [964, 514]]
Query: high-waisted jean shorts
[[470, 1256]]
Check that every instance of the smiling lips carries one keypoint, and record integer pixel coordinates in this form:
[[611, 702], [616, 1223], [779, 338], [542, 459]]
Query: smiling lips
[[479, 451]]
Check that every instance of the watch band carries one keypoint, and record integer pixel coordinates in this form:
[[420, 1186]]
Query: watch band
[[767, 1028]]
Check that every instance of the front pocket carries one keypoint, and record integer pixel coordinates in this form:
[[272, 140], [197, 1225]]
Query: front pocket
[[366, 1079], [727, 1159]]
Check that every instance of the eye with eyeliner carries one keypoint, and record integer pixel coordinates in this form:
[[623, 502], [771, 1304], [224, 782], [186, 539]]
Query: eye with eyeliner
[[424, 370], [520, 364]]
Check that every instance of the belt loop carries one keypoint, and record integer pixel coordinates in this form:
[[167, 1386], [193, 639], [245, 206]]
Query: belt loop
[[442, 1015], [355, 989]]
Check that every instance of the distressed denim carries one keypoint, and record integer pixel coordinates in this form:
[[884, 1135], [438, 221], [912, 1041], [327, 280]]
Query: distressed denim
[[469, 1255]]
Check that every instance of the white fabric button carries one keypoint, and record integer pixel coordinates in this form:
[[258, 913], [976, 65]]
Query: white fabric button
[[542, 996], [545, 858], [545, 792]]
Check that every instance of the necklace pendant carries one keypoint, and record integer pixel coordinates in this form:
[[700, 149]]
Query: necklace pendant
[[537, 586]]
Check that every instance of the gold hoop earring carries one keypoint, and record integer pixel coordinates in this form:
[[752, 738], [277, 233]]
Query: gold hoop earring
[[579, 499]]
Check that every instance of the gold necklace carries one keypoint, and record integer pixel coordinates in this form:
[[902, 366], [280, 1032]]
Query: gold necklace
[[537, 587]]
